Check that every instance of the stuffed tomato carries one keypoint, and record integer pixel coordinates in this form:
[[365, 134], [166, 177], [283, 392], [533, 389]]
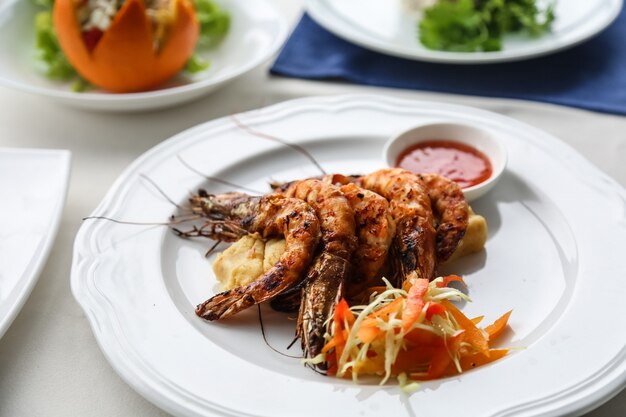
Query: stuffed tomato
[[126, 45]]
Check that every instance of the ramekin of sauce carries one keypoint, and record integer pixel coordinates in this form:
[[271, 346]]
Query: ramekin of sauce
[[469, 155]]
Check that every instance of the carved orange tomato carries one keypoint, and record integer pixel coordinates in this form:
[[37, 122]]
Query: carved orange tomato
[[123, 58]]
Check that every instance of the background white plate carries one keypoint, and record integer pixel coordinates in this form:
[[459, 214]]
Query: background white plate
[[384, 27], [33, 185], [556, 233], [257, 31]]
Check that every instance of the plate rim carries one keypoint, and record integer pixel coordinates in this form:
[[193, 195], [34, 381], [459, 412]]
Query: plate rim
[[31, 275], [320, 14], [163, 396], [171, 93]]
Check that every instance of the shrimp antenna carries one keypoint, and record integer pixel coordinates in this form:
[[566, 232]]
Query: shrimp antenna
[[212, 248], [159, 189], [215, 179], [177, 221], [312, 367], [295, 339], [293, 146], [265, 338]]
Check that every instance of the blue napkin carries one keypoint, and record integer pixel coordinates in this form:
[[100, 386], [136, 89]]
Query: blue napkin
[[590, 76]]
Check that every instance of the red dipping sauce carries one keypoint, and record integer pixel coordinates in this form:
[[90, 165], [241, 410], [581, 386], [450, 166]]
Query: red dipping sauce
[[457, 161]]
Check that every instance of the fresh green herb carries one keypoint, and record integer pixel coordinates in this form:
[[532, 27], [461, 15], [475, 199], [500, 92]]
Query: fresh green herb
[[478, 25], [48, 4], [57, 65], [49, 51], [214, 25], [80, 85], [196, 64], [214, 22]]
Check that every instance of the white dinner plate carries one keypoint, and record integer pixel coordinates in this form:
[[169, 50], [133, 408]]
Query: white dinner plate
[[257, 30], [554, 255], [385, 27], [33, 185]]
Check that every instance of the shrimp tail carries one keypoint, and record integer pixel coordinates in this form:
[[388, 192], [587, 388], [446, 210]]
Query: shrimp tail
[[414, 248], [447, 239], [225, 304], [451, 211], [272, 283], [271, 215]]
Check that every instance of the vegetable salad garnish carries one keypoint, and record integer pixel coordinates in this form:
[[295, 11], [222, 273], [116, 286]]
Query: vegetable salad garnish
[[164, 35], [479, 25], [413, 334], [47, 44]]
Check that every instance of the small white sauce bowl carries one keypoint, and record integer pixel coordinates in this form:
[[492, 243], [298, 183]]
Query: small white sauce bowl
[[479, 138]]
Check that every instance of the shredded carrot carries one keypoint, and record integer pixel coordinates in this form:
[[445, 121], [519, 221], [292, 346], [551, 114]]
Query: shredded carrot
[[470, 361], [374, 365], [434, 309], [414, 303], [342, 312], [474, 336], [331, 362], [417, 333], [443, 357], [339, 340], [450, 278], [331, 344], [414, 359], [367, 334], [495, 330], [421, 337], [385, 311]]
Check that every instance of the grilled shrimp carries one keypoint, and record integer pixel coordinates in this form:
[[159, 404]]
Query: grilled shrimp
[[375, 231], [325, 279], [230, 216], [410, 206], [451, 212]]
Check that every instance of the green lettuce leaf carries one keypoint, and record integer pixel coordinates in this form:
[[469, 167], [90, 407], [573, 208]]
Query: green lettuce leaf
[[196, 64], [49, 50], [214, 22], [479, 25]]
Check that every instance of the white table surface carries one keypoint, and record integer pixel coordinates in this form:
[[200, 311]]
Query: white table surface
[[50, 363]]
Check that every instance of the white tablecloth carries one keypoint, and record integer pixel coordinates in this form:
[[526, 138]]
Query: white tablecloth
[[50, 363]]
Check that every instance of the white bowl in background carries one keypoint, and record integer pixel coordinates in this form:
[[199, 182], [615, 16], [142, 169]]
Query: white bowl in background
[[477, 137], [258, 29]]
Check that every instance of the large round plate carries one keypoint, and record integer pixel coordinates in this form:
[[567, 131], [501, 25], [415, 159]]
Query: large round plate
[[554, 255], [383, 26], [257, 30]]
